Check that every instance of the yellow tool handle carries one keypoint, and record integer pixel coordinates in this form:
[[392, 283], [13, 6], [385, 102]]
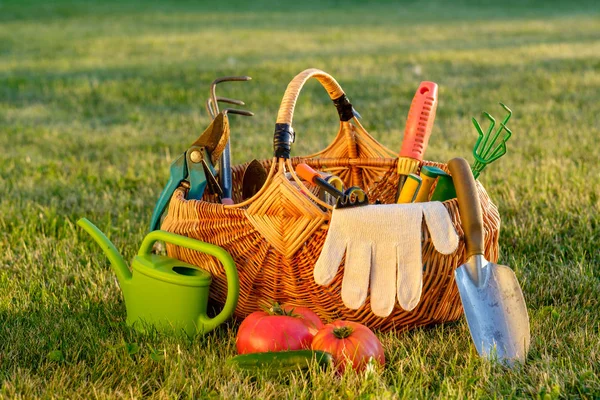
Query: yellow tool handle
[[407, 165], [334, 181], [410, 189], [426, 183]]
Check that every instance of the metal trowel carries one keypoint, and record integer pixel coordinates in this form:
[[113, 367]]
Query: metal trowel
[[491, 295], [255, 176]]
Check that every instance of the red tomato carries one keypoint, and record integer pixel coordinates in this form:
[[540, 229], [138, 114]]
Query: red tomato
[[311, 319], [277, 329], [350, 344]]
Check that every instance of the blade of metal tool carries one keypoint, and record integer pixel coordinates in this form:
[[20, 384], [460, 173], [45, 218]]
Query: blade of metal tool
[[254, 178], [495, 310], [215, 137], [492, 298], [212, 183]]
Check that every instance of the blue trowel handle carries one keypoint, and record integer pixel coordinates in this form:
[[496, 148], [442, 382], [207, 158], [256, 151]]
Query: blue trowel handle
[[469, 207]]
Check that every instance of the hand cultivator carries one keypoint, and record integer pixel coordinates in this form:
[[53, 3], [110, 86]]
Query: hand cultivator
[[484, 151], [213, 108]]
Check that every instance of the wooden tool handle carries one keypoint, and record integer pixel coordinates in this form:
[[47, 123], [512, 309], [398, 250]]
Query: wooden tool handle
[[471, 216], [420, 121]]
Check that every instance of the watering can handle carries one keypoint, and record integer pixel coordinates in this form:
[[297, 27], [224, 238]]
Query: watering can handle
[[233, 284]]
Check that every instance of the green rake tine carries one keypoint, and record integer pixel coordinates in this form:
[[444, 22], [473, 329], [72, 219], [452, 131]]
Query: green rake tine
[[478, 166], [500, 150], [485, 148], [480, 131], [503, 125], [489, 131]]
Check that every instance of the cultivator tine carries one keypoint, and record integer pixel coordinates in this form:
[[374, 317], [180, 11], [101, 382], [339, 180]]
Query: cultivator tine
[[212, 104], [484, 151], [213, 112], [489, 131], [238, 112]]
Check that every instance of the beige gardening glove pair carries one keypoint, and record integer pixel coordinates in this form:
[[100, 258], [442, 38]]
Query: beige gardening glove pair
[[382, 244]]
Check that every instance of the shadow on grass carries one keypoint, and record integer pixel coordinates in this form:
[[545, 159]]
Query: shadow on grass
[[36, 337], [109, 96]]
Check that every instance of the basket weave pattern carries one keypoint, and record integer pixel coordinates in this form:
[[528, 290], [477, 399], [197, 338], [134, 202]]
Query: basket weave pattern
[[276, 236]]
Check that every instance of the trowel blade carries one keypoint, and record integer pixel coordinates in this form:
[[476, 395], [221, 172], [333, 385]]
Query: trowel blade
[[215, 137], [496, 312]]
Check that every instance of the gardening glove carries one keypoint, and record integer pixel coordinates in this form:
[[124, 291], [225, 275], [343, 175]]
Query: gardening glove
[[382, 244]]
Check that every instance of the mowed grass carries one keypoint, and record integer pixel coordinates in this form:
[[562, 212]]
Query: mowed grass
[[97, 98]]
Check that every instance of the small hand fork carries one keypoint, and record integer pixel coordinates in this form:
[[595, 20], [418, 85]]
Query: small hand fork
[[484, 151], [212, 105]]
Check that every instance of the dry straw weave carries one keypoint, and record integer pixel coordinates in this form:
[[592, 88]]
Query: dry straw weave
[[276, 236]]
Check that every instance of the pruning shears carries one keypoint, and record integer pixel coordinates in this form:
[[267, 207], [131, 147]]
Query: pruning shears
[[192, 167], [350, 197]]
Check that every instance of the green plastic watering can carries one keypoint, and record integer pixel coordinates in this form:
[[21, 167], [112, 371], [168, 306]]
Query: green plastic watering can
[[165, 293]]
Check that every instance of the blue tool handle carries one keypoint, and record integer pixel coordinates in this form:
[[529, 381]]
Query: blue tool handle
[[225, 172], [177, 175]]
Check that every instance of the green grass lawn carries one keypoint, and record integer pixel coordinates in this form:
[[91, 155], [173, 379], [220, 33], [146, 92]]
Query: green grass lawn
[[97, 98]]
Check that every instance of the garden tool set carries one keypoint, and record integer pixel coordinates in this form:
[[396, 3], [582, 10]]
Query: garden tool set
[[487, 149], [384, 220]]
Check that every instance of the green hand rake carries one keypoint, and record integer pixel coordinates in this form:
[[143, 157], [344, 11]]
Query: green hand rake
[[485, 150]]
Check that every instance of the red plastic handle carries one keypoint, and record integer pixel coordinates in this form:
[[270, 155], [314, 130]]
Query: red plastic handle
[[420, 121]]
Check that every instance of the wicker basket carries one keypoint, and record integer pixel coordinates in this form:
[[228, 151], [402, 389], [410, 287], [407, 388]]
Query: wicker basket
[[276, 236]]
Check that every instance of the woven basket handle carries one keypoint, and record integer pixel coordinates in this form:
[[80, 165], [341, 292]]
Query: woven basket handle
[[284, 133]]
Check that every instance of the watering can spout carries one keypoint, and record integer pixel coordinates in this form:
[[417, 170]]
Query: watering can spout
[[116, 260]]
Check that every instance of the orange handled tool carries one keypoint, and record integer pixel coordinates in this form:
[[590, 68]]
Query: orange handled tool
[[305, 172], [418, 129], [351, 197]]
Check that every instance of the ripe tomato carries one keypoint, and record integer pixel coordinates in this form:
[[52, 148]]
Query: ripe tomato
[[350, 344], [311, 319], [279, 328]]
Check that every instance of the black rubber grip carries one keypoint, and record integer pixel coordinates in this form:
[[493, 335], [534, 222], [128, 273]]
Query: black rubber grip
[[344, 108], [282, 140]]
